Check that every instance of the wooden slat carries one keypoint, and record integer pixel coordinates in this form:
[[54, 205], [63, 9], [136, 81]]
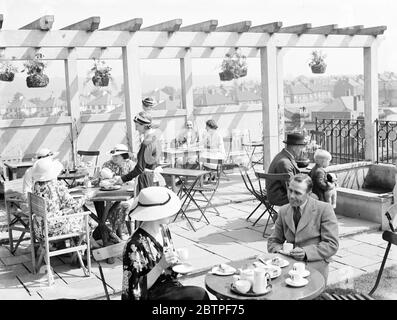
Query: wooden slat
[[367, 297], [328, 29], [130, 25], [68, 250], [373, 30], [206, 26], [359, 297], [169, 26], [114, 250], [242, 26], [90, 24], [336, 297], [348, 30], [65, 236], [268, 27], [44, 23], [351, 297], [1, 20], [298, 29]]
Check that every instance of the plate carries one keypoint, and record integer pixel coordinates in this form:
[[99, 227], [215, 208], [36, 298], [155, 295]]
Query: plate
[[183, 268], [250, 293], [283, 264], [297, 285], [304, 274], [229, 271], [110, 188], [274, 271]]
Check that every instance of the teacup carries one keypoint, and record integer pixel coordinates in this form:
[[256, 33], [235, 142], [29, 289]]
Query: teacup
[[287, 247], [242, 285], [295, 276], [299, 267]]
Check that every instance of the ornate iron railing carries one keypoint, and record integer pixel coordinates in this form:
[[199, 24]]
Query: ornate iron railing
[[386, 134], [344, 139]]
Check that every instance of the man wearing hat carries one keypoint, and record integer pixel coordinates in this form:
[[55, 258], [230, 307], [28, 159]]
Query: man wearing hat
[[284, 162], [27, 178]]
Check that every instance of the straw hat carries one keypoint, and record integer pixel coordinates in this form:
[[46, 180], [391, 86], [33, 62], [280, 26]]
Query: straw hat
[[118, 149], [45, 152], [155, 203], [46, 169]]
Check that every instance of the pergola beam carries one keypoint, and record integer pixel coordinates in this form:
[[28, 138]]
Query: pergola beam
[[268, 27], [298, 29], [374, 31], [242, 26], [328, 29], [349, 30], [206, 26], [89, 25], [44, 24], [130, 25], [168, 26]]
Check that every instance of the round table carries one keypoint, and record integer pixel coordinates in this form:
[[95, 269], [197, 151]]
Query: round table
[[220, 285]]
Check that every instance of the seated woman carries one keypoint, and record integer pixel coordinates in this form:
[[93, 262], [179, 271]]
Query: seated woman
[[188, 138], [146, 260], [59, 202]]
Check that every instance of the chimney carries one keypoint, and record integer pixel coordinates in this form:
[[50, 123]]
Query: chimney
[[355, 103]]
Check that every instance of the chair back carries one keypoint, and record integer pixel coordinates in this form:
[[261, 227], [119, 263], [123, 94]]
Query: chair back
[[213, 161], [88, 153], [37, 205], [13, 188], [283, 177], [248, 182]]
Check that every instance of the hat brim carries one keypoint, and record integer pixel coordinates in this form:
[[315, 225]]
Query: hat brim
[[154, 213], [51, 174], [295, 144], [118, 153]]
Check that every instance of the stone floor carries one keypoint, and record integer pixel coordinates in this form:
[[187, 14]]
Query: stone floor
[[229, 237]]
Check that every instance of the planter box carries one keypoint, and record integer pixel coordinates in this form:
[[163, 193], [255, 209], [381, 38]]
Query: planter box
[[318, 68]]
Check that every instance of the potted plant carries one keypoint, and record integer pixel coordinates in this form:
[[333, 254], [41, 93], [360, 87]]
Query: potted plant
[[317, 62], [101, 73], [35, 68], [7, 71], [233, 66]]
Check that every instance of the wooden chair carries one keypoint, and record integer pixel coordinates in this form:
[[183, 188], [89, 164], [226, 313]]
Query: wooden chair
[[284, 177], [83, 153], [17, 211], [37, 206], [230, 154]]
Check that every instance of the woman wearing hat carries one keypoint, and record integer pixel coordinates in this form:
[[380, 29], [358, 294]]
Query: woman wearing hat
[[213, 143], [58, 200], [146, 260]]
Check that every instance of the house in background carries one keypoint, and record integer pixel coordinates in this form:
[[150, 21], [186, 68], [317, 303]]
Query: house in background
[[297, 92], [20, 108], [103, 103], [336, 109], [348, 86]]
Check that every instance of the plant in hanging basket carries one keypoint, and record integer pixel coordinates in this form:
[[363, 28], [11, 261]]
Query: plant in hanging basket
[[35, 68], [233, 66], [7, 71], [317, 62], [100, 73]]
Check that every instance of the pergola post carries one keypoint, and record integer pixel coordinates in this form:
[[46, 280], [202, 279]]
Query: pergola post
[[268, 58], [280, 97], [132, 91], [187, 84], [72, 98], [370, 99]]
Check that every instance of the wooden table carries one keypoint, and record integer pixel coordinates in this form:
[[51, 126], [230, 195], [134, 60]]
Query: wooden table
[[72, 177], [184, 190], [16, 168], [220, 285]]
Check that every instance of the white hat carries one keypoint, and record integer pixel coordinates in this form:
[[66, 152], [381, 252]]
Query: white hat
[[155, 203], [46, 169], [45, 152], [118, 149]]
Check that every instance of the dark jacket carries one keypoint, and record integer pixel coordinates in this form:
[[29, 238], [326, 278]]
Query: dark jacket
[[320, 185], [283, 162]]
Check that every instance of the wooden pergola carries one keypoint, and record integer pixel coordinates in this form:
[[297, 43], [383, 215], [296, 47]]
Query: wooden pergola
[[170, 40]]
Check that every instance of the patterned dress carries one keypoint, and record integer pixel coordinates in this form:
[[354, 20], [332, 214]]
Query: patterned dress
[[58, 203], [127, 166]]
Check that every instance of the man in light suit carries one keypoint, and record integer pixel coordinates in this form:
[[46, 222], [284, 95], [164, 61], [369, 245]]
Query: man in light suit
[[309, 224]]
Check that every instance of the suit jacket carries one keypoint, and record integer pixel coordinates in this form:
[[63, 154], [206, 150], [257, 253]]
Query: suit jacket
[[283, 162], [317, 232]]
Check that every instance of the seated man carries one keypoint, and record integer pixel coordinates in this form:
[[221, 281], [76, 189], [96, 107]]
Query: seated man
[[309, 224], [189, 137], [284, 162]]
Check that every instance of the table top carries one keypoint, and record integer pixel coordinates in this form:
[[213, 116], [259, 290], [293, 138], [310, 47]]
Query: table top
[[122, 194], [183, 150], [253, 144], [183, 172], [220, 285], [16, 164], [74, 175]]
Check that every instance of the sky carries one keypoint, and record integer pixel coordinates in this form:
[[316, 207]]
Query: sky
[[18, 13]]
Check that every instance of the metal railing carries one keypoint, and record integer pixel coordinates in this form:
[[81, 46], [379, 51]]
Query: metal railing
[[386, 138]]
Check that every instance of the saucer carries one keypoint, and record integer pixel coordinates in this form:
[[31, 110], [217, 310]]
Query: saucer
[[250, 293], [296, 284], [183, 268], [226, 272], [305, 274], [283, 264]]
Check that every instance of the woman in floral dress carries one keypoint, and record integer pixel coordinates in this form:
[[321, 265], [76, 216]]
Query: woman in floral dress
[[148, 255]]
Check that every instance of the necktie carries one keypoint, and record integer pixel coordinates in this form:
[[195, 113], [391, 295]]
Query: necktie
[[297, 215]]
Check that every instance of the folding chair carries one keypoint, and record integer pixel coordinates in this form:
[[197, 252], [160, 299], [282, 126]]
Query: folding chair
[[17, 211], [37, 206], [95, 154], [231, 152], [250, 187], [284, 177]]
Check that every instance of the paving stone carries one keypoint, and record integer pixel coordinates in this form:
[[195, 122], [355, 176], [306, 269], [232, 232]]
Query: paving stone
[[244, 235], [38, 281], [5, 252], [371, 238], [367, 250], [8, 276], [202, 259], [71, 274], [8, 261], [348, 242], [356, 260], [17, 294], [344, 277], [343, 253]]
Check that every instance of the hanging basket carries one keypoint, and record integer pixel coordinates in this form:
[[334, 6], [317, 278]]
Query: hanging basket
[[100, 81], [7, 76], [242, 73], [37, 80], [318, 68], [226, 75]]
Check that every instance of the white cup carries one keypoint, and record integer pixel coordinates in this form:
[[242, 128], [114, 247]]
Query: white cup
[[183, 253], [299, 267], [287, 247], [296, 277], [261, 278]]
